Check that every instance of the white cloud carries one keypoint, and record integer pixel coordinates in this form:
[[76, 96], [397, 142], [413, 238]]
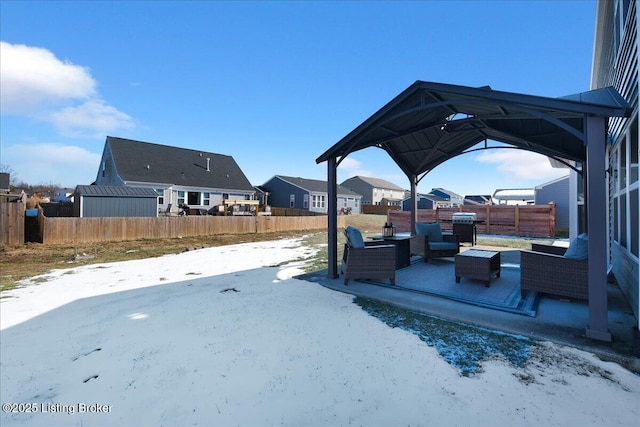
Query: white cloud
[[520, 165], [49, 163], [351, 167], [36, 84], [94, 116]]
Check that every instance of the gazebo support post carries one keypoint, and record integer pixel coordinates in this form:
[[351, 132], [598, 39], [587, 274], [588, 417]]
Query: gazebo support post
[[596, 134], [332, 219], [413, 179]]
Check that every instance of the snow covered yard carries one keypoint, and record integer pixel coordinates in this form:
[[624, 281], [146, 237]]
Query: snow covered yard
[[225, 336]]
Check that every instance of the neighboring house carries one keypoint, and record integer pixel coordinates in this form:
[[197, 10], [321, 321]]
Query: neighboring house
[[178, 175], [375, 191], [514, 196], [556, 191], [63, 195], [308, 194], [111, 201], [454, 199], [425, 201], [477, 200], [615, 63]]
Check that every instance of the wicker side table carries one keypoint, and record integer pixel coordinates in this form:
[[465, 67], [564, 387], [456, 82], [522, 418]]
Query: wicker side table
[[477, 264]]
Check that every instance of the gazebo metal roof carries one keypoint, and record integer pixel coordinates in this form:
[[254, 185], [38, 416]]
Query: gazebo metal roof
[[429, 123]]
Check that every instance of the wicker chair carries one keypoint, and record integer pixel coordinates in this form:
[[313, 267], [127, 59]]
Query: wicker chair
[[545, 269], [431, 242], [367, 260]]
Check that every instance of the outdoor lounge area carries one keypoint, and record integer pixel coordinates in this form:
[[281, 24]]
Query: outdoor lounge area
[[431, 288], [430, 123]]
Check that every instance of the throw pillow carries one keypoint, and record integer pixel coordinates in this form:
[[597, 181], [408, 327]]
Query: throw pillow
[[355, 237], [431, 229], [578, 248]]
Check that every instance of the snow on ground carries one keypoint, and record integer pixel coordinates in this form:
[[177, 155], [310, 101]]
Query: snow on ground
[[225, 336]]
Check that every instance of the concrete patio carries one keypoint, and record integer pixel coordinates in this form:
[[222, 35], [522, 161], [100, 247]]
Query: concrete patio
[[556, 320]]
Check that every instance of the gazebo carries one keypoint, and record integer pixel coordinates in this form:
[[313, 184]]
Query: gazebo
[[429, 123]]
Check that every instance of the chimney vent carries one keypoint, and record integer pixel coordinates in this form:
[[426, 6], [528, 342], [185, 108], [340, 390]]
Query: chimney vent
[[208, 164]]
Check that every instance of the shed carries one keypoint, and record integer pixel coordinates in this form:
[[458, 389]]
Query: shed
[[115, 201]]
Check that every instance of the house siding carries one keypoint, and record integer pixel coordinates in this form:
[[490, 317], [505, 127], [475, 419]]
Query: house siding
[[281, 188], [615, 63], [557, 192], [360, 187], [374, 194], [280, 192], [107, 173], [423, 203]]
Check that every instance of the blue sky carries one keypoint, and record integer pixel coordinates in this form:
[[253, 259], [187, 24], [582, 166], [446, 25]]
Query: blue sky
[[273, 84]]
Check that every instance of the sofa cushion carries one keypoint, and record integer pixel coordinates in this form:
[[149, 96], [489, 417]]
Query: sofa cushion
[[442, 246], [355, 237], [431, 229], [578, 248]]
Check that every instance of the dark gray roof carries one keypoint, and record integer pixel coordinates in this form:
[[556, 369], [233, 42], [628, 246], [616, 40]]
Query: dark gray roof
[[447, 192], [316, 185], [114, 191], [378, 183], [429, 123], [139, 161]]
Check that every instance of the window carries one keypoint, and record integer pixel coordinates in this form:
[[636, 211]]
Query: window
[[623, 164], [194, 198], [623, 220], [305, 202], [634, 221], [206, 199], [318, 201], [292, 200], [180, 197], [160, 192], [633, 154]]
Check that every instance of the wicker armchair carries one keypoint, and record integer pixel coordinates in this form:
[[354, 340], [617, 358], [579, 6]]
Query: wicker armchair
[[545, 269], [431, 242], [367, 260]]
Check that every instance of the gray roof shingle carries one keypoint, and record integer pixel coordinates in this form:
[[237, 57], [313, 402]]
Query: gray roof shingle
[[138, 161], [316, 185]]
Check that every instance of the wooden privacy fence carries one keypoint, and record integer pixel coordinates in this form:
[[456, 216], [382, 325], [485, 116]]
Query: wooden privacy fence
[[94, 230], [378, 209], [11, 223], [517, 220]]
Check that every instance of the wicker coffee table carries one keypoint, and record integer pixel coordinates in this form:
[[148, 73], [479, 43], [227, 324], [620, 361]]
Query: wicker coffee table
[[478, 264]]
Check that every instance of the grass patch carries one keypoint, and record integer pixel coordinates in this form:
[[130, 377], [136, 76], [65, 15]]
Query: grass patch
[[461, 345], [33, 259]]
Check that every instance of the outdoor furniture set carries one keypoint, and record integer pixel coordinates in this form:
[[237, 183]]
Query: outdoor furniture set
[[431, 242], [547, 269], [367, 260], [555, 270]]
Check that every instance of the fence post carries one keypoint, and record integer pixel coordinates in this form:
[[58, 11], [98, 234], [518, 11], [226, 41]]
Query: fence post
[[517, 220], [488, 219], [552, 219]]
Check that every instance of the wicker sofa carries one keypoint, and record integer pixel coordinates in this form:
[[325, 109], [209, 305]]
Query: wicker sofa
[[367, 260], [545, 269], [431, 242]]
